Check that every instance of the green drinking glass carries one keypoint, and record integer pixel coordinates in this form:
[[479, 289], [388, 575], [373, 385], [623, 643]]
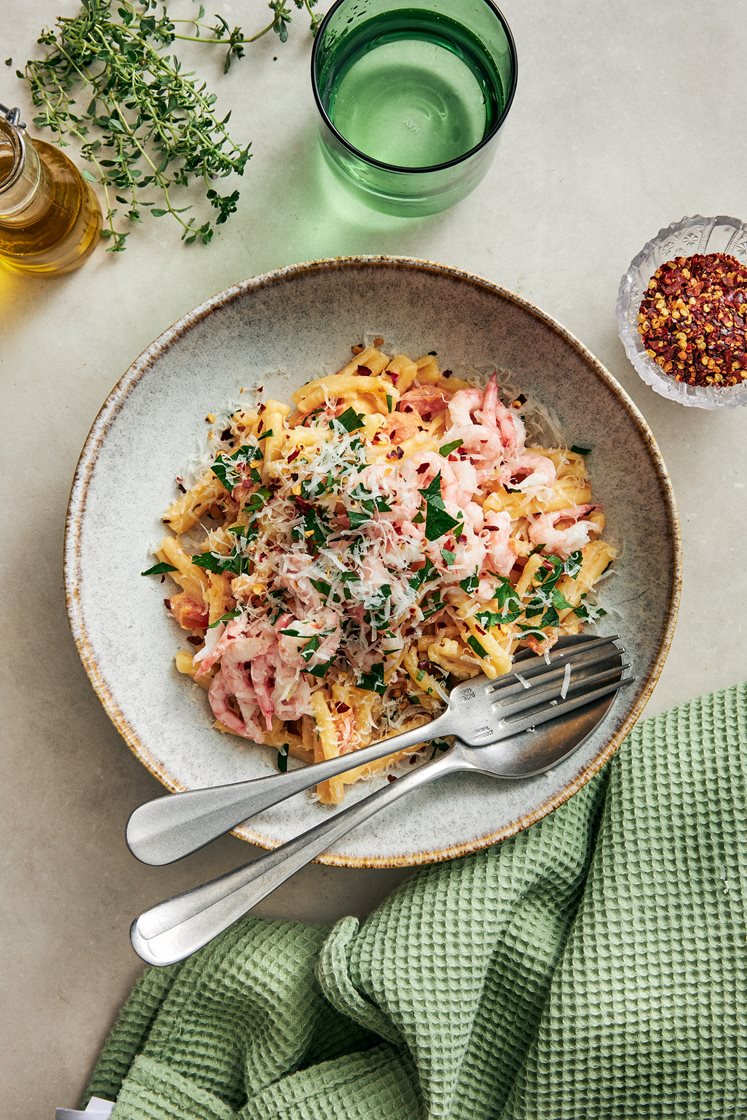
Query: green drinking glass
[[412, 97]]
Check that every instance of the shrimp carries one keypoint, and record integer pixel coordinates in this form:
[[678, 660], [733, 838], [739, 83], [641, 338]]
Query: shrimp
[[485, 436], [499, 547], [540, 472], [229, 683], [563, 541]]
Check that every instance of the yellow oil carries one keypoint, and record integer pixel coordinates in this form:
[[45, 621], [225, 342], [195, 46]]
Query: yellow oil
[[60, 227]]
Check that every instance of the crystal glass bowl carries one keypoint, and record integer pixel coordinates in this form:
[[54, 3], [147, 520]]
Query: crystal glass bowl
[[681, 239]]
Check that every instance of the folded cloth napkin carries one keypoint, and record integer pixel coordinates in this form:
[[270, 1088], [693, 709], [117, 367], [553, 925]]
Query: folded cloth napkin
[[594, 966]]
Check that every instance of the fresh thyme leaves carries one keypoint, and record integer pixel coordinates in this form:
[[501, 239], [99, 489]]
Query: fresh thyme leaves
[[437, 520], [373, 680], [148, 126]]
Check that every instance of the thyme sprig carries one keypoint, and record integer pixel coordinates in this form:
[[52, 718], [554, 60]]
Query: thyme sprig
[[148, 127]]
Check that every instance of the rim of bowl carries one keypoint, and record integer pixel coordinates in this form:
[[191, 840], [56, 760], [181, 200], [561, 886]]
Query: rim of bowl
[[371, 160], [693, 396], [112, 407]]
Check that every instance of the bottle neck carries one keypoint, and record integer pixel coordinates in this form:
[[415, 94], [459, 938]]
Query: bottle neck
[[24, 187]]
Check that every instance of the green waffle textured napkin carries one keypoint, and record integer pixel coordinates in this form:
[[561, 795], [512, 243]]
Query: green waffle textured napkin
[[592, 968]]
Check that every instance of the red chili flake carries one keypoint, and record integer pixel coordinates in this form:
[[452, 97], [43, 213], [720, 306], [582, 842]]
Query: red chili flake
[[364, 371], [358, 348], [422, 467], [446, 373], [342, 707], [226, 433], [294, 455], [195, 641], [261, 408], [391, 777], [167, 604], [693, 319], [394, 376], [479, 629], [260, 426], [413, 759]]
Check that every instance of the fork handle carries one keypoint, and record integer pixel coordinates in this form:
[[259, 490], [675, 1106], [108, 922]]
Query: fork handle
[[178, 927], [172, 826]]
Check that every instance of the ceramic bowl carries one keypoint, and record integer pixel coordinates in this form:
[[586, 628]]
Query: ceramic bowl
[[681, 239], [279, 330]]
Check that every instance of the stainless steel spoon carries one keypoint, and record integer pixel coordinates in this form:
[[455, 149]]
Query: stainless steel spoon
[[178, 927]]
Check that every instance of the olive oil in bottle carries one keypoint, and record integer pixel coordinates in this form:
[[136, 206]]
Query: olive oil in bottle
[[50, 219]]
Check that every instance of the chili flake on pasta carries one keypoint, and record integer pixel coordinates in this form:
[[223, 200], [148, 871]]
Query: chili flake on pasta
[[359, 553]]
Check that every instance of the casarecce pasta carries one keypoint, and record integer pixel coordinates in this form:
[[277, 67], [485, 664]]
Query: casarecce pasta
[[343, 561]]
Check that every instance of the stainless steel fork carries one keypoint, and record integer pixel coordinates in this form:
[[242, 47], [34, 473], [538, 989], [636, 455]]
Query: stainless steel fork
[[175, 929], [479, 711]]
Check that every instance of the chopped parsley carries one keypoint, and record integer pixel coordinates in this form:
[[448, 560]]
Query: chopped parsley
[[448, 557], [159, 570], [470, 583], [437, 521], [283, 758], [225, 466], [489, 619], [580, 450], [265, 435], [373, 680], [224, 618], [423, 575], [449, 447], [321, 586], [350, 420], [473, 643], [389, 402], [235, 562]]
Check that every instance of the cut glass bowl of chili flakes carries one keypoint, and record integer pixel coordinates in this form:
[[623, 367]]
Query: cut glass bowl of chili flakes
[[682, 312]]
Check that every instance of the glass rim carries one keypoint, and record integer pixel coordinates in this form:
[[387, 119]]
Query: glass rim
[[18, 146], [431, 166]]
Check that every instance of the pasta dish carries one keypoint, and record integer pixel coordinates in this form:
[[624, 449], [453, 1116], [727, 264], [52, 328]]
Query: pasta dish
[[343, 561]]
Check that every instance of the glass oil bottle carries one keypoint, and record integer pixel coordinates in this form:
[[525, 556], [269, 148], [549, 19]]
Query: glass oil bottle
[[50, 218]]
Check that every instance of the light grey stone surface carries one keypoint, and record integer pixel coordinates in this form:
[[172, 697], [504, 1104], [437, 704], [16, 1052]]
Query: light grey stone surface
[[624, 121]]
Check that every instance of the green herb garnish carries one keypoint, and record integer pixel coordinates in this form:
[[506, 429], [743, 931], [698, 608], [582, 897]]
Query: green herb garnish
[[437, 520], [159, 570], [283, 758], [470, 583], [142, 120], [373, 680], [473, 643], [580, 450], [350, 420], [449, 447], [224, 618]]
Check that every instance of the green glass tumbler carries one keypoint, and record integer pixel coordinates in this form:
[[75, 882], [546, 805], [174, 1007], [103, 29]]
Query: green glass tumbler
[[412, 97]]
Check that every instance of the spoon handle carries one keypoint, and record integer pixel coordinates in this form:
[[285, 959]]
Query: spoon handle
[[173, 826], [178, 927]]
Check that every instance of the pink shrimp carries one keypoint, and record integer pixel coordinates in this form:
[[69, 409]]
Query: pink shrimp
[[219, 696], [563, 541], [490, 433], [499, 548], [540, 472]]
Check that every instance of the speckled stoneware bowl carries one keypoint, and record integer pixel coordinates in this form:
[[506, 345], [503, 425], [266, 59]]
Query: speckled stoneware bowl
[[280, 330]]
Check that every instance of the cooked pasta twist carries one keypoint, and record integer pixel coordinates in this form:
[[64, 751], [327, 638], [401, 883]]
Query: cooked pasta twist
[[391, 534]]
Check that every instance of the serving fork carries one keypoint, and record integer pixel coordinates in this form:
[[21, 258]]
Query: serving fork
[[492, 719], [480, 711]]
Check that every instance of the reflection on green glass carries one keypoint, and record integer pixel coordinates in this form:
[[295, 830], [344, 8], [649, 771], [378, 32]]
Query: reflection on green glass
[[412, 88], [412, 95]]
